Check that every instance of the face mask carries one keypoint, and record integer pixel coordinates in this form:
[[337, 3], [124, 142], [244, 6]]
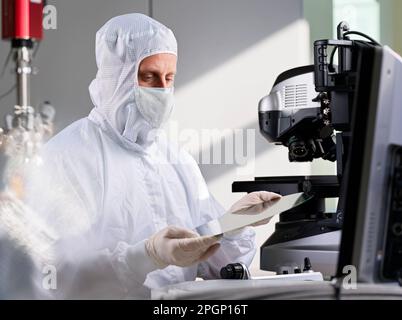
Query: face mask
[[155, 104]]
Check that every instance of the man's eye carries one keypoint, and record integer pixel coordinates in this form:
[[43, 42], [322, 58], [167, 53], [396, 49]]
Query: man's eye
[[148, 77]]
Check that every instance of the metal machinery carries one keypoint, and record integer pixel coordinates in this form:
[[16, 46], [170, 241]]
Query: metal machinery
[[22, 26], [332, 112]]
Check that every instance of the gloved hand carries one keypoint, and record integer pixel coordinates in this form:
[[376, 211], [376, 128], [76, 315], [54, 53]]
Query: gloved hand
[[180, 247], [254, 203]]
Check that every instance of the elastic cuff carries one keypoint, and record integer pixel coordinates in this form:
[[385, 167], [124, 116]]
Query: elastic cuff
[[139, 261]]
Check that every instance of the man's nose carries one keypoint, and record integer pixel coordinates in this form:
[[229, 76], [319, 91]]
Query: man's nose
[[162, 82]]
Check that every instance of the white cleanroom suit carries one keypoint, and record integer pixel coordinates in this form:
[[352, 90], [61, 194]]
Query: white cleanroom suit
[[108, 182]]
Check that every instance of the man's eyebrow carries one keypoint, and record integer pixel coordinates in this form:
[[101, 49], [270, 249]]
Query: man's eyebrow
[[151, 69], [147, 71]]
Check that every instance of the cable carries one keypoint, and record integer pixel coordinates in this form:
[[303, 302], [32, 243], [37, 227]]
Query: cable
[[150, 8], [331, 60], [362, 35], [8, 92], [5, 94], [37, 45], [6, 63]]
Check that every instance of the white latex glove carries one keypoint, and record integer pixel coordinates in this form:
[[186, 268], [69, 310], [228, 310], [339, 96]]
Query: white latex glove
[[180, 247], [256, 202]]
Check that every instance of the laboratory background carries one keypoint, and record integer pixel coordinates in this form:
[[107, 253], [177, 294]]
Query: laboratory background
[[228, 59], [229, 54]]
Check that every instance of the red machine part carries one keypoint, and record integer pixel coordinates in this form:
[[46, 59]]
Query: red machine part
[[22, 19]]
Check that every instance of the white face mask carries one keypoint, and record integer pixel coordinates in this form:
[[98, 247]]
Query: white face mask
[[155, 105]]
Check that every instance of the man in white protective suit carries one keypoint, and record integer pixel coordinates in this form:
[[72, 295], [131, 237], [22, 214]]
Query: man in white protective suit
[[123, 202]]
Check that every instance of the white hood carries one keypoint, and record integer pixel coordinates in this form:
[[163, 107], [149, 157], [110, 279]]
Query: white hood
[[121, 44]]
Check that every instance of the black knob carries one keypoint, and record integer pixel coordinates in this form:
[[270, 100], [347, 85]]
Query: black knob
[[232, 271], [307, 265], [297, 270], [399, 277]]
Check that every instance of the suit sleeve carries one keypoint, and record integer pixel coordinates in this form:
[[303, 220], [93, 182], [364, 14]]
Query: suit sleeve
[[69, 209]]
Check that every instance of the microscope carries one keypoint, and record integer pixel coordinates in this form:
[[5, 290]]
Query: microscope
[[328, 111]]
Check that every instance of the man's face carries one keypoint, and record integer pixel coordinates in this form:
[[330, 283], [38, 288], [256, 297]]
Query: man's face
[[157, 71]]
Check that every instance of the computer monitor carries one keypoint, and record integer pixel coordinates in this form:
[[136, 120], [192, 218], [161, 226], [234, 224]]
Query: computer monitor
[[372, 230]]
